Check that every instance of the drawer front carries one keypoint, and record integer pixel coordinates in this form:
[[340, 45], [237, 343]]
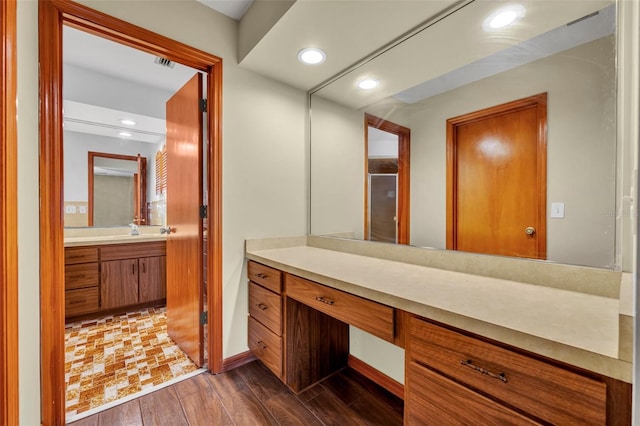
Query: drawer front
[[548, 392], [81, 301], [265, 276], [266, 345], [133, 250], [432, 399], [80, 255], [266, 307], [81, 275], [369, 316]]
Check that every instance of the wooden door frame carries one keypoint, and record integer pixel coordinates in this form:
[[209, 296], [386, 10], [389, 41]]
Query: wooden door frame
[[539, 102], [9, 404], [90, 179], [52, 15], [404, 174]]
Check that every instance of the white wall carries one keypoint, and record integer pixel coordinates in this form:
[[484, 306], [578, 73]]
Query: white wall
[[264, 173]]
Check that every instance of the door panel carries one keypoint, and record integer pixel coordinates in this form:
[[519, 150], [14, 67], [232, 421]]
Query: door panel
[[184, 196], [499, 185], [383, 208]]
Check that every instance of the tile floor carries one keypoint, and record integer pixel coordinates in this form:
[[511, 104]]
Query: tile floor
[[114, 357]]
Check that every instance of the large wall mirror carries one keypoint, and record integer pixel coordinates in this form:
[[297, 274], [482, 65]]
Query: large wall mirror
[[473, 94], [114, 114]]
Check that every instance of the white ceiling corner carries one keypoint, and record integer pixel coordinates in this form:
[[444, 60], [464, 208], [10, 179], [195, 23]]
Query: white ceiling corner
[[232, 8]]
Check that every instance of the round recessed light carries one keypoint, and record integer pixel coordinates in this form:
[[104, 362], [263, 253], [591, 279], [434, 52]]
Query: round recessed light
[[125, 134], [128, 122], [504, 17], [368, 84], [311, 56]]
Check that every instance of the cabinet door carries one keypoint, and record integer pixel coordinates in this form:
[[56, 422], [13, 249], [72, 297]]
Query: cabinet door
[[153, 278], [119, 283]]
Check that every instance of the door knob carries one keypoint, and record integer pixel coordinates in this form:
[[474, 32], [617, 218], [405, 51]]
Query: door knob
[[529, 230], [167, 230]]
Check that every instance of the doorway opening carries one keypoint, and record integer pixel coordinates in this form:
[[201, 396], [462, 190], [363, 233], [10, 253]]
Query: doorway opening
[[386, 183], [53, 16]]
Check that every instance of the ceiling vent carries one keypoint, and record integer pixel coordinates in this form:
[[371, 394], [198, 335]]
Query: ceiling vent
[[164, 62]]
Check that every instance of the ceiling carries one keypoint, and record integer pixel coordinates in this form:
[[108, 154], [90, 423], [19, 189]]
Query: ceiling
[[271, 32]]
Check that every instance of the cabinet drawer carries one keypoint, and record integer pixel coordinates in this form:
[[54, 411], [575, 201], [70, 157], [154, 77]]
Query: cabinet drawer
[[435, 400], [133, 250], [81, 275], [81, 301], [266, 345], [369, 316], [265, 276], [548, 392], [266, 307], [80, 255]]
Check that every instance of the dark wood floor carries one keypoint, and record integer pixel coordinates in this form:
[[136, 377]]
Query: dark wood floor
[[252, 395]]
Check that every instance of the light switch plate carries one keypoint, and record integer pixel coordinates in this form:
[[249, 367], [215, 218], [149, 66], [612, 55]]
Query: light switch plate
[[70, 209], [557, 210], [82, 210]]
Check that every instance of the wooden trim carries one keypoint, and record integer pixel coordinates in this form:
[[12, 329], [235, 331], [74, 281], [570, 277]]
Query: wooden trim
[[90, 164], [540, 103], [9, 405], [237, 360], [404, 174], [52, 15], [376, 376]]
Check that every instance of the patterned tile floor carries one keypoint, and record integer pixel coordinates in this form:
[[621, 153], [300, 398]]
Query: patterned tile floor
[[117, 356]]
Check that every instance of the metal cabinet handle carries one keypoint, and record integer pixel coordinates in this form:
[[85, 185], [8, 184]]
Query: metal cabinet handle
[[325, 300], [261, 275], [262, 306], [500, 376]]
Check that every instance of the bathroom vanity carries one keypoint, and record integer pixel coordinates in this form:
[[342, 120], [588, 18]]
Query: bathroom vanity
[[109, 274], [486, 349]]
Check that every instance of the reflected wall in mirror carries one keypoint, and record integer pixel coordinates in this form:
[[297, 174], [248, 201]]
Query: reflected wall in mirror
[[114, 104], [565, 49]]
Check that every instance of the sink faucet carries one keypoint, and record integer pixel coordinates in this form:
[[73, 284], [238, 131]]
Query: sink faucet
[[134, 229]]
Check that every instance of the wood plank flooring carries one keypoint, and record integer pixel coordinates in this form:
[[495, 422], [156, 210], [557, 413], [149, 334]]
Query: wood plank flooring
[[251, 395]]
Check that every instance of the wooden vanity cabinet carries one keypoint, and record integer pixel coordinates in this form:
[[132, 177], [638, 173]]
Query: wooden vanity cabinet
[[485, 381], [132, 274], [265, 315], [81, 280], [113, 277]]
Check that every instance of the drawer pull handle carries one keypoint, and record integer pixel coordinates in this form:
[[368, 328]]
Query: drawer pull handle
[[325, 300], [261, 345], [261, 275], [262, 306], [500, 376], [76, 302]]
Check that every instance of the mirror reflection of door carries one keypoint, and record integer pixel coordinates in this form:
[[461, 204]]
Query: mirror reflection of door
[[117, 189], [386, 181]]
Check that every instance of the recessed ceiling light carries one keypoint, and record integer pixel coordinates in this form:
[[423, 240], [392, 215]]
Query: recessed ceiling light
[[125, 134], [128, 122], [504, 17], [311, 56], [368, 84]]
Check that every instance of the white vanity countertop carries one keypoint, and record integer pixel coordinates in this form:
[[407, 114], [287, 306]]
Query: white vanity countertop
[[576, 328], [97, 240]]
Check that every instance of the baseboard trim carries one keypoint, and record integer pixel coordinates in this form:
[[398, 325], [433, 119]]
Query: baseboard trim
[[376, 376], [237, 360]]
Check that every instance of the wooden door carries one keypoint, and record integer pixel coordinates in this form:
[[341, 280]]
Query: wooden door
[[496, 180], [184, 196], [153, 279], [118, 283]]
